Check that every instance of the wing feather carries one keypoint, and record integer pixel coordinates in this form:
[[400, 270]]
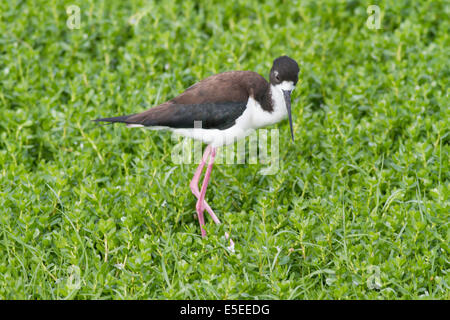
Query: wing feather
[[216, 101]]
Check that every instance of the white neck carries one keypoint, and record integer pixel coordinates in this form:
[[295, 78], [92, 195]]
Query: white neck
[[256, 117], [260, 117], [279, 104]]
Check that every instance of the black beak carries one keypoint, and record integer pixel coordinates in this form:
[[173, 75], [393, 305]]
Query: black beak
[[287, 99]]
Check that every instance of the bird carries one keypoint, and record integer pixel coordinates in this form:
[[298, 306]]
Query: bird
[[220, 110]]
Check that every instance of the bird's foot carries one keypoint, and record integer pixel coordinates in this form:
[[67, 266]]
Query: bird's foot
[[231, 246]]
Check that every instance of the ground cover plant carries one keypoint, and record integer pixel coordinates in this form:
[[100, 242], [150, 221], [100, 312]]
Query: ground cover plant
[[358, 208]]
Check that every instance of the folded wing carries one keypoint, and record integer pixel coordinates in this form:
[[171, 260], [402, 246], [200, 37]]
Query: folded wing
[[214, 103]]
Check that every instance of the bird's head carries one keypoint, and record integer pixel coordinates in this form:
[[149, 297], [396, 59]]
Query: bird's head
[[284, 76]]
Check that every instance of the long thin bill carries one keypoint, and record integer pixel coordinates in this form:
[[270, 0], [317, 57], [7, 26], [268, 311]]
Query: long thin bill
[[287, 99]]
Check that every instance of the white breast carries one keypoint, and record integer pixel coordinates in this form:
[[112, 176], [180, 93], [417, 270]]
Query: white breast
[[262, 118]]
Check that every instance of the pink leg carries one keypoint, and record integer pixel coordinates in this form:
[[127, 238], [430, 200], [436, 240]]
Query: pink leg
[[200, 206], [201, 203], [194, 184]]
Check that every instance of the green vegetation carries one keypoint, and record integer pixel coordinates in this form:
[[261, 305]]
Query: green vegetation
[[359, 208]]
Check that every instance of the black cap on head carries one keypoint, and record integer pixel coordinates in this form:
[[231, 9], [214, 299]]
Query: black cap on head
[[284, 69]]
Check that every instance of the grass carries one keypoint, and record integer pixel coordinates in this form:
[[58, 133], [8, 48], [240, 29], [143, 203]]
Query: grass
[[359, 207]]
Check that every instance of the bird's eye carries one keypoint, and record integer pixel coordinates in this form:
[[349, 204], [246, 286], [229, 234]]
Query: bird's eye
[[277, 77]]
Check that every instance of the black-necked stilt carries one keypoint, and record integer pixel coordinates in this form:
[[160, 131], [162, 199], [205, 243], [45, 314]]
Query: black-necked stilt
[[229, 106]]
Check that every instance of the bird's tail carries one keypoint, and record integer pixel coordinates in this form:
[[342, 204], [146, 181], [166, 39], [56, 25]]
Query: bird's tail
[[122, 119]]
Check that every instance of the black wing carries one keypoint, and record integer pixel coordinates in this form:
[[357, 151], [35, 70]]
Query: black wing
[[219, 115], [216, 101]]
